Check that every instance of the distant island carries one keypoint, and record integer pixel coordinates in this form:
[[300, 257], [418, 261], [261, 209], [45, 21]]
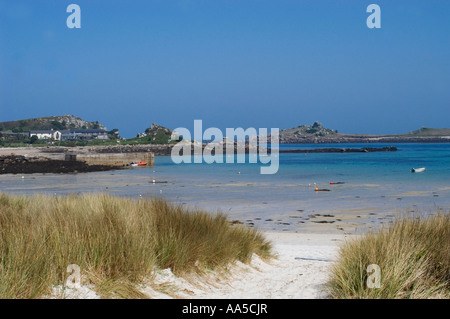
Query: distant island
[[318, 134], [70, 130], [70, 144]]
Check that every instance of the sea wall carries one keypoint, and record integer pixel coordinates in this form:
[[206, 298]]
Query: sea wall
[[117, 159]]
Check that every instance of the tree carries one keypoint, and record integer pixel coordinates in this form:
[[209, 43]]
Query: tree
[[58, 125], [34, 139]]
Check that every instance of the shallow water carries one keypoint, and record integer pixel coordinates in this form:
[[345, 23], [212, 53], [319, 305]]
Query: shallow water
[[376, 187]]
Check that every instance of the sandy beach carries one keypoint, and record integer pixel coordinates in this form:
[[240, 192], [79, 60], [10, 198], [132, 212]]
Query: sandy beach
[[299, 271], [305, 227]]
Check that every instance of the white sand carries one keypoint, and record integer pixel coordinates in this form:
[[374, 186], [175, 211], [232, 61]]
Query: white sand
[[300, 271]]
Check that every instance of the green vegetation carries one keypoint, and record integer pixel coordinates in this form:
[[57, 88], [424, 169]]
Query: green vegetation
[[116, 242], [59, 125], [413, 255], [155, 134], [34, 139]]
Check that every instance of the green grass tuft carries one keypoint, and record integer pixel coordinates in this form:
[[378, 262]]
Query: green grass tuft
[[413, 255], [117, 242]]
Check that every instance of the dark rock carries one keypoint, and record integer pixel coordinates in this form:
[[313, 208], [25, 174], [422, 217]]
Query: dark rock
[[16, 164]]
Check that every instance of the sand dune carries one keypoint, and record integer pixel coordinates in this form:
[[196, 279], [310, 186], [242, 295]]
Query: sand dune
[[300, 271]]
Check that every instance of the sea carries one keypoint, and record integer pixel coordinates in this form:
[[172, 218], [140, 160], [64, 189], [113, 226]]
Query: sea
[[356, 191]]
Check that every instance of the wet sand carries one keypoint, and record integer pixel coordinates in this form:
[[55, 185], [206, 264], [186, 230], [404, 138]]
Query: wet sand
[[283, 207], [305, 227]]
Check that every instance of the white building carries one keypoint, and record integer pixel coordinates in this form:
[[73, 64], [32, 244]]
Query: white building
[[47, 135]]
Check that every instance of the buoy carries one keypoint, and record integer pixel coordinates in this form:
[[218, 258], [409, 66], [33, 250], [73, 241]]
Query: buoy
[[154, 181], [317, 189], [239, 173]]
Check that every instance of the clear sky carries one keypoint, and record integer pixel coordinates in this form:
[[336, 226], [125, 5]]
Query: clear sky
[[230, 63]]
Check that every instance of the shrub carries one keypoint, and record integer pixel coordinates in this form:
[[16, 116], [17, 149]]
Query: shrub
[[413, 255]]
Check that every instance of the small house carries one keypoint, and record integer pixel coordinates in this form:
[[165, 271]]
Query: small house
[[46, 135]]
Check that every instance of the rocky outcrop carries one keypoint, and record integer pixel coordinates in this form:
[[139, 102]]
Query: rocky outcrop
[[17, 164], [305, 132], [317, 134], [349, 138], [75, 122], [62, 122]]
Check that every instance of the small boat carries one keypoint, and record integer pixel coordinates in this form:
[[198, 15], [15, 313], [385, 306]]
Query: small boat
[[134, 164], [142, 163], [418, 170]]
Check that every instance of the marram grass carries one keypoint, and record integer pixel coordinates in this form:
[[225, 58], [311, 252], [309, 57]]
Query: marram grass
[[117, 242], [414, 259]]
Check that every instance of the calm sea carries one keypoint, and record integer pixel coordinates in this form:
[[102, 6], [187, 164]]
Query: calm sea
[[373, 185]]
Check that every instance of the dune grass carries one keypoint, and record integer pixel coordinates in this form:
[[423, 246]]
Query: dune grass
[[414, 259], [117, 242]]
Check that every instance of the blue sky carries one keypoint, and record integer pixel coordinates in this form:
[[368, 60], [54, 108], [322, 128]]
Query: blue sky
[[246, 63]]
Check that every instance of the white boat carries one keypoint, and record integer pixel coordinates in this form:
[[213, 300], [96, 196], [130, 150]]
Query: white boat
[[418, 170], [134, 164]]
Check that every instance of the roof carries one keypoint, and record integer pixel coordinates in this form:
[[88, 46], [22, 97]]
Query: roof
[[84, 131], [72, 131], [43, 132]]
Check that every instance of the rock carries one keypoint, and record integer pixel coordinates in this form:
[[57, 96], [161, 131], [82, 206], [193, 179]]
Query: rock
[[22, 165]]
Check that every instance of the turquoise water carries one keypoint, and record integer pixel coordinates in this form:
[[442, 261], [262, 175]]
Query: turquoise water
[[375, 186]]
